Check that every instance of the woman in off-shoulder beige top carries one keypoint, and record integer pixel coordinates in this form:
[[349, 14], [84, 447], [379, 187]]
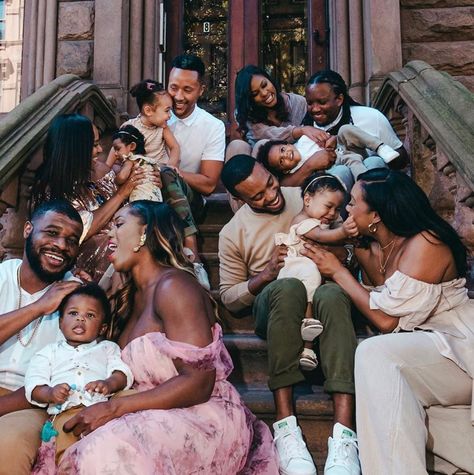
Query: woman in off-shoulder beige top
[[414, 386]]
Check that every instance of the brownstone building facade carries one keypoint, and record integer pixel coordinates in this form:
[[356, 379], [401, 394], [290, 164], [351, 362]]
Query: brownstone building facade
[[115, 43]]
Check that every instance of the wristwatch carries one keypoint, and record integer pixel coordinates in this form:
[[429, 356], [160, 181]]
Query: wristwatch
[[350, 254]]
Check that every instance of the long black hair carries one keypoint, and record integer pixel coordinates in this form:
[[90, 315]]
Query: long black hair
[[247, 110], [406, 211], [339, 87], [67, 159]]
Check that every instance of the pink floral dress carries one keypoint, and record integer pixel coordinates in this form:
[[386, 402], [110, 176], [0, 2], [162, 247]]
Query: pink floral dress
[[220, 436]]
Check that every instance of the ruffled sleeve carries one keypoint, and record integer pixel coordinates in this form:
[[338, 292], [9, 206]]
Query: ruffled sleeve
[[411, 300], [210, 357]]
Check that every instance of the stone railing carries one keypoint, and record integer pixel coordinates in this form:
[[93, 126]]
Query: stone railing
[[22, 133], [435, 115]]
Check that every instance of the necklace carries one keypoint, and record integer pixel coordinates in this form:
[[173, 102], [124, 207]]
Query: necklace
[[19, 335], [386, 245], [383, 265]]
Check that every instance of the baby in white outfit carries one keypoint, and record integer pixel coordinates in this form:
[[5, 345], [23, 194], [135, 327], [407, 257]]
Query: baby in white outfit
[[323, 196]]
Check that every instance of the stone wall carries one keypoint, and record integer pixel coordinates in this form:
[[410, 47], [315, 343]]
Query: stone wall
[[75, 48], [440, 32]]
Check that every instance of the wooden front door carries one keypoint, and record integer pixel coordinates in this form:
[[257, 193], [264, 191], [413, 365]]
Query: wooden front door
[[288, 38]]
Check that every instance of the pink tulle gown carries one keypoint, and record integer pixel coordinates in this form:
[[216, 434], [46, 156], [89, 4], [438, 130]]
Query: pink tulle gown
[[220, 436]]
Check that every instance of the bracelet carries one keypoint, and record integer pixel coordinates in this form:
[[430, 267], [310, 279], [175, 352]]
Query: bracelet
[[350, 254]]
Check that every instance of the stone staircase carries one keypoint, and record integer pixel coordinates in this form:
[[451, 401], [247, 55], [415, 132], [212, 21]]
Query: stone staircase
[[249, 353]]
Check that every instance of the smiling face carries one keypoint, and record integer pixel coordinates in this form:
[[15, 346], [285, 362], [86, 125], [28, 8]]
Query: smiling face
[[261, 191], [185, 88], [324, 205], [263, 92], [52, 245], [323, 104], [82, 320], [158, 113], [360, 211], [283, 157], [124, 236]]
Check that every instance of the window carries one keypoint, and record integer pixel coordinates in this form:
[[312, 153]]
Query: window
[[2, 20]]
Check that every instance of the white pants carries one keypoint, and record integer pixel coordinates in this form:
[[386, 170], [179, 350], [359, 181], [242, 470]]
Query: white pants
[[402, 382]]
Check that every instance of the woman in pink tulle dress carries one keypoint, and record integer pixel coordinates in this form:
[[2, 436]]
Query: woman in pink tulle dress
[[185, 417]]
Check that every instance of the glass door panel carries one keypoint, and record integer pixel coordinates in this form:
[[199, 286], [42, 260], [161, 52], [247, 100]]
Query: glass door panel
[[205, 35], [284, 38]]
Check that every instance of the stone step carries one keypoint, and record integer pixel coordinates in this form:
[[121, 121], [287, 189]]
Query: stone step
[[208, 238], [313, 407], [217, 209], [231, 323]]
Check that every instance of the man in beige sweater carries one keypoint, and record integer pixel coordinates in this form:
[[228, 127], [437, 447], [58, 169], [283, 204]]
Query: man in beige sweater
[[249, 266]]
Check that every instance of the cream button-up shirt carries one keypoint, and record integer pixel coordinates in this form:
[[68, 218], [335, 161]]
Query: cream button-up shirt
[[60, 362]]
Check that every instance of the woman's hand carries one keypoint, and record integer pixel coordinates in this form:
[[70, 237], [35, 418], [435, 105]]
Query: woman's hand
[[328, 264], [90, 419], [316, 135], [138, 176]]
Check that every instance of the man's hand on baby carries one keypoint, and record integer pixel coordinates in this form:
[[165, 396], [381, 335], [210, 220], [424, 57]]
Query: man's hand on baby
[[58, 394], [350, 227], [99, 386], [323, 160], [316, 135], [276, 263], [331, 143]]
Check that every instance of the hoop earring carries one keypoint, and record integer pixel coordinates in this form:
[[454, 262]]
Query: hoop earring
[[372, 228], [141, 243]]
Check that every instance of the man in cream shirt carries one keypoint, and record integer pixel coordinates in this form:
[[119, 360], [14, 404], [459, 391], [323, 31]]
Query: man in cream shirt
[[30, 292]]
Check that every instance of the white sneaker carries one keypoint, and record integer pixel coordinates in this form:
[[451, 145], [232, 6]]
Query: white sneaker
[[201, 275], [386, 153], [343, 453], [293, 455]]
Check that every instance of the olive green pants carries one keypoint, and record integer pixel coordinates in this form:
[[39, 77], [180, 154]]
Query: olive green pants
[[279, 310]]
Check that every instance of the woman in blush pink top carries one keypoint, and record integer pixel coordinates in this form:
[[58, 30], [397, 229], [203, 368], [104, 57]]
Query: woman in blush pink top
[[185, 416]]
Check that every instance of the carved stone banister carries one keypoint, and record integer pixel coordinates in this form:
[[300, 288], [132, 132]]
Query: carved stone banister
[[22, 133], [444, 107], [434, 114], [24, 129]]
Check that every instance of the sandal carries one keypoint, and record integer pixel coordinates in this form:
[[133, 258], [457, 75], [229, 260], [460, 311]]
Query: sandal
[[310, 329], [308, 360]]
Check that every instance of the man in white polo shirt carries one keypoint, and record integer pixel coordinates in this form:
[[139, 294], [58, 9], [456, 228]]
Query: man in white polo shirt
[[30, 291], [201, 139], [200, 135]]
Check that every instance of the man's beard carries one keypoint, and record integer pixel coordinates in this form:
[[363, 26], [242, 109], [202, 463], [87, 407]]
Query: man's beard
[[35, 263]]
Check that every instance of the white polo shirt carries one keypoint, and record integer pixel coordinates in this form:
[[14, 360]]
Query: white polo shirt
[[373, 122], [14, 357], [201, 136]]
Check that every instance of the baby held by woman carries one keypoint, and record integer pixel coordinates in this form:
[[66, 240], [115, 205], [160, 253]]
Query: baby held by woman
[[353, 145], [323, 195]]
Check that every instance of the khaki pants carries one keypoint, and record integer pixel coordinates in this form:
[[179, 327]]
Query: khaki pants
[[20, 439], [410, 398]]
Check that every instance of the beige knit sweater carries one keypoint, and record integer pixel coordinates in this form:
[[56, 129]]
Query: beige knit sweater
[[246, 244]]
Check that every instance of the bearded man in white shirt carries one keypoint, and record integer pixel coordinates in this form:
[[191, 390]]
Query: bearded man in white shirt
[[31, 289]]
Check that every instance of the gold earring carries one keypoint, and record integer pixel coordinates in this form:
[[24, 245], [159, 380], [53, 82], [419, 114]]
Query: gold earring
[[372, 228], [141, 243]]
